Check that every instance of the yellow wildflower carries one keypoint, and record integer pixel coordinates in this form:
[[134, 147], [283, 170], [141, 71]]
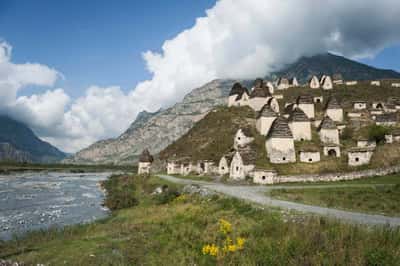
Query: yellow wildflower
[[181, 198], [240, 242], [210, 249], [232, 248], [224, 226], [206, 249]]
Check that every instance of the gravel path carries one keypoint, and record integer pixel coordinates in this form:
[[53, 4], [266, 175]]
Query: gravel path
[[258, 194]]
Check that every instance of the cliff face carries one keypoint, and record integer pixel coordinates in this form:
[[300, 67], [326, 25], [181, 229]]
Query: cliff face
[[10, 153], [156, 131]]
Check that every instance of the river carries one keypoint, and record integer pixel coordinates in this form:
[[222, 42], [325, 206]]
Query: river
[[32, 201]]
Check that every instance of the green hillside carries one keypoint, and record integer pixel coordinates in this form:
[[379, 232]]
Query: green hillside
[[213, 136]]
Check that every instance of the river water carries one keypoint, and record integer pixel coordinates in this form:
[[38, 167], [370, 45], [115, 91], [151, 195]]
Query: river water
[[31, 201]]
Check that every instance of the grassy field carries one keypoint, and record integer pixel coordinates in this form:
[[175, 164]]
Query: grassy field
[[376, 199], [187, 230]]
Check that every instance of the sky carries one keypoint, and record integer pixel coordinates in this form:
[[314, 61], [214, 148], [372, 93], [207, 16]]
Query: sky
[[80, 71]]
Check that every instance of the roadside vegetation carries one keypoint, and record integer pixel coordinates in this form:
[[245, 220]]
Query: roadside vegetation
[[374, 195], [379, 199], [171, 228]]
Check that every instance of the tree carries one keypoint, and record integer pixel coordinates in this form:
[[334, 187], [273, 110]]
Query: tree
[[377, 133]]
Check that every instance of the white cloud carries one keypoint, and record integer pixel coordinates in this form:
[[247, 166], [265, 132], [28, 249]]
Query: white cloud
[[236, 39], [249, 38]]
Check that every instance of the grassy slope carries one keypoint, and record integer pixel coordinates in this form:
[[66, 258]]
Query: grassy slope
[[174, 233], [377, 199], [211, 137]]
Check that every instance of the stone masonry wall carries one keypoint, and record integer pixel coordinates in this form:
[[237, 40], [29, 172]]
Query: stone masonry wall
[[338, 176]]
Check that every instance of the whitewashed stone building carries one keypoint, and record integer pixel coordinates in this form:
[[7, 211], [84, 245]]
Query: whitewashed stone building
[[309, 155], [264, 176], [365, 143], [375, 83], [331, 150], [145, 161], [224, 163], [258, 98], [388, 119], [243, 137], [205, 167], [280, 143], [300, 125], [327, 83], [283, 83], [293, 82], [274, 104], [270, 86], [243, 163], [306, 103], [173, 168], [338, 79], [360, 156], [360, 105], [314, 83], [396, 84], [318, 99], [351, 83], [265, 119], [238, 96], [186, 168], [334, 110], [328, 131], [378, 105], [392, 137]]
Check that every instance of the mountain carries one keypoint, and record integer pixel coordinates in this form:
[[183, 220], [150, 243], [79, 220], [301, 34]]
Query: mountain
[[19, 143], [330, 64], [157, 130]]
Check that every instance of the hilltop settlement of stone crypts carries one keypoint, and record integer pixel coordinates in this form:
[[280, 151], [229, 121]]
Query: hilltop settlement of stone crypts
[[289, 123]]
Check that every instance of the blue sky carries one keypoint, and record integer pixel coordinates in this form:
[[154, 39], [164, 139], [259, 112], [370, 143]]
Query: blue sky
[[94, 42]]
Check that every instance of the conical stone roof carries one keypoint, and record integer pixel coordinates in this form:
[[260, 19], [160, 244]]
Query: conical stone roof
[[305, 99], [146, 157], [237, 89], [280, 129], [297, 115], [333, 104], [260, 92], [266, 111], [327, 123]]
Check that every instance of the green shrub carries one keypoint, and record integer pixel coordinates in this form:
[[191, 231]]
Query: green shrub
[[120, 192], [380, 256], [377, 133], [168, 195]]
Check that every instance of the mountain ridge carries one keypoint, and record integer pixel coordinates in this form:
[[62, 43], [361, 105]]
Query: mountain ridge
[[157, 130], [19, 143]]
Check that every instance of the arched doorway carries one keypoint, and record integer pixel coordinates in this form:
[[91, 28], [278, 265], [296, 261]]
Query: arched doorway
[[332, 153]]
